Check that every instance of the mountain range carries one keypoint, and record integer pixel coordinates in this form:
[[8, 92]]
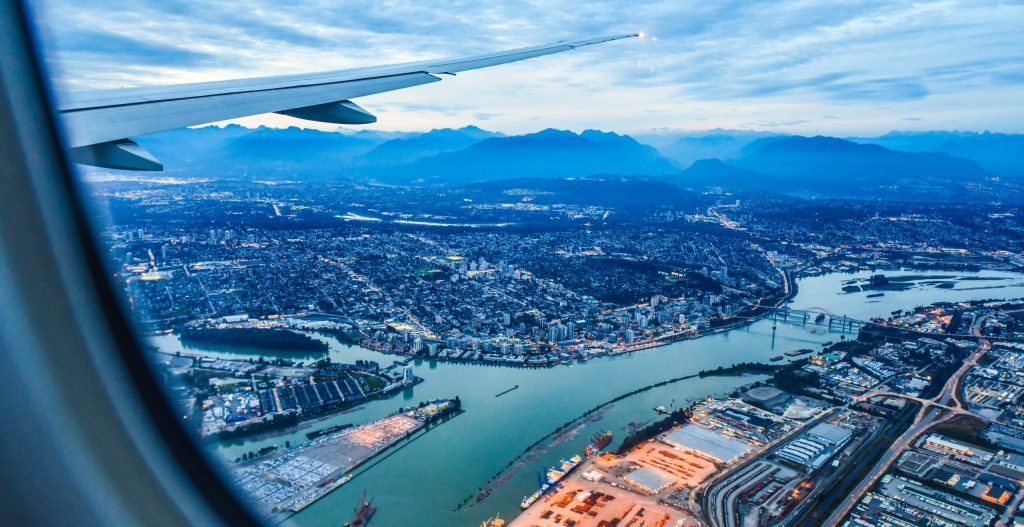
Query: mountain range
[[900, 165], [546, 154], [830, 167], [999, 153]]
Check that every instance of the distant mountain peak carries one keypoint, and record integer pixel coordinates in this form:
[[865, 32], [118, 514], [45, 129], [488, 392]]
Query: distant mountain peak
[[547, 153]]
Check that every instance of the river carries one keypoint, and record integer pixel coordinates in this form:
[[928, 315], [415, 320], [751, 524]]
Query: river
[[422, 482]]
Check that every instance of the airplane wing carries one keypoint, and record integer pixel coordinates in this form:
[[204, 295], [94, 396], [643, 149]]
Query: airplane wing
[[101, 123]]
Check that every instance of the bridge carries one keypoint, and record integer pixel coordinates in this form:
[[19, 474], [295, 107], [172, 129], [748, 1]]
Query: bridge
[[818, 316]]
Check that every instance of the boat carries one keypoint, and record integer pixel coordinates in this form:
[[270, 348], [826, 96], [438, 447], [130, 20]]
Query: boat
[[494, 522], [776, 358], [516, 387], [600, 441], [532, 498], [551, 478], [364, 512], [329, 430]]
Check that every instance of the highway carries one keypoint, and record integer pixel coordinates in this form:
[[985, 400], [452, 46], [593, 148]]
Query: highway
[[714, 499], [946, 402], [719, 496]]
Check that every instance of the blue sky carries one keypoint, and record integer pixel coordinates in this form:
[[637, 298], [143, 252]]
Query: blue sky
[[840, 67]]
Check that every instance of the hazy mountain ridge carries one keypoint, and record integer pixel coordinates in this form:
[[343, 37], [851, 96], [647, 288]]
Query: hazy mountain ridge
[[413, 147], [748, 161], [236, 151], [684, 148], [549, 153], [999, 153], [996, 152], [831, 167]]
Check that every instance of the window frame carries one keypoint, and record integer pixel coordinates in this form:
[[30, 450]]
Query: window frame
[[90, 437]]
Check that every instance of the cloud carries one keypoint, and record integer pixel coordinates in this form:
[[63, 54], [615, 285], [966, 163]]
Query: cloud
[[858, 64], [881, 90], [89, 45]]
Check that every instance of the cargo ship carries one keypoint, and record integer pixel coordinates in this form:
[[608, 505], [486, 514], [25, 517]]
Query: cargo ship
[[799, 352], [329, 430], [363, 513], [550, 479], [776, 358], [600, 441]]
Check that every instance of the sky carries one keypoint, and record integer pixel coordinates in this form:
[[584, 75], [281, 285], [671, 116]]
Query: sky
[[792, 66]]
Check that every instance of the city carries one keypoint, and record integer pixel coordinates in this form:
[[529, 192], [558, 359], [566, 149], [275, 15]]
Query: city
[[512, 264], [903, 416]]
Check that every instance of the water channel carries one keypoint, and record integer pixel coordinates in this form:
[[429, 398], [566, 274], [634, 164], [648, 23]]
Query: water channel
[[422, 482]]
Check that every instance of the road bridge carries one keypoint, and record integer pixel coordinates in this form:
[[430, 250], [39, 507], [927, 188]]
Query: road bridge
[[818, 316]]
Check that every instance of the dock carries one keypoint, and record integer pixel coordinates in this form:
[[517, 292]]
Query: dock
[[296, 477]]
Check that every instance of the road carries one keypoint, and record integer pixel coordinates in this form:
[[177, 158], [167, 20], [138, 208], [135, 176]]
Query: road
[[713, 499], [944, 406], [931, 409], [923, 421]]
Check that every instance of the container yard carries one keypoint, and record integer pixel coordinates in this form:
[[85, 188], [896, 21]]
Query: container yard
[[294, 478]]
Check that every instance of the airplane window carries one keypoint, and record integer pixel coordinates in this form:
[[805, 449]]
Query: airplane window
[[528, 265]]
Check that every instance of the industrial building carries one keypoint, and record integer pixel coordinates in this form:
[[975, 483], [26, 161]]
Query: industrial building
[[707, 443], [816, 446], [767, 397], [649, 480]]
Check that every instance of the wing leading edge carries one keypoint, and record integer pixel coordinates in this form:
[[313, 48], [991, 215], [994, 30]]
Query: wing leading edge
[[100, 123]]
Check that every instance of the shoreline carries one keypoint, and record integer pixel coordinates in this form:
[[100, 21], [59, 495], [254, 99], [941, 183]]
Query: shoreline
[[735, 370], [664, 340]]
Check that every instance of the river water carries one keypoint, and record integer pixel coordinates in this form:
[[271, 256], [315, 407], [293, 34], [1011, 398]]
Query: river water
[[423, 481]]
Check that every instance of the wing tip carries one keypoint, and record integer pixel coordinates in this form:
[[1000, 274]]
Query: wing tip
[[600, 40]]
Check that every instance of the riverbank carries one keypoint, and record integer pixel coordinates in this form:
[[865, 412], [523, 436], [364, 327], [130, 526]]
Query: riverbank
[[294, 478], [734, 371], [594, 352], [470, 450]]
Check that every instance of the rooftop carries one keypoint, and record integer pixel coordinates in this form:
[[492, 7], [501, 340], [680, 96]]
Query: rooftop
[[831, 433], [708, 442], [650, 479]]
